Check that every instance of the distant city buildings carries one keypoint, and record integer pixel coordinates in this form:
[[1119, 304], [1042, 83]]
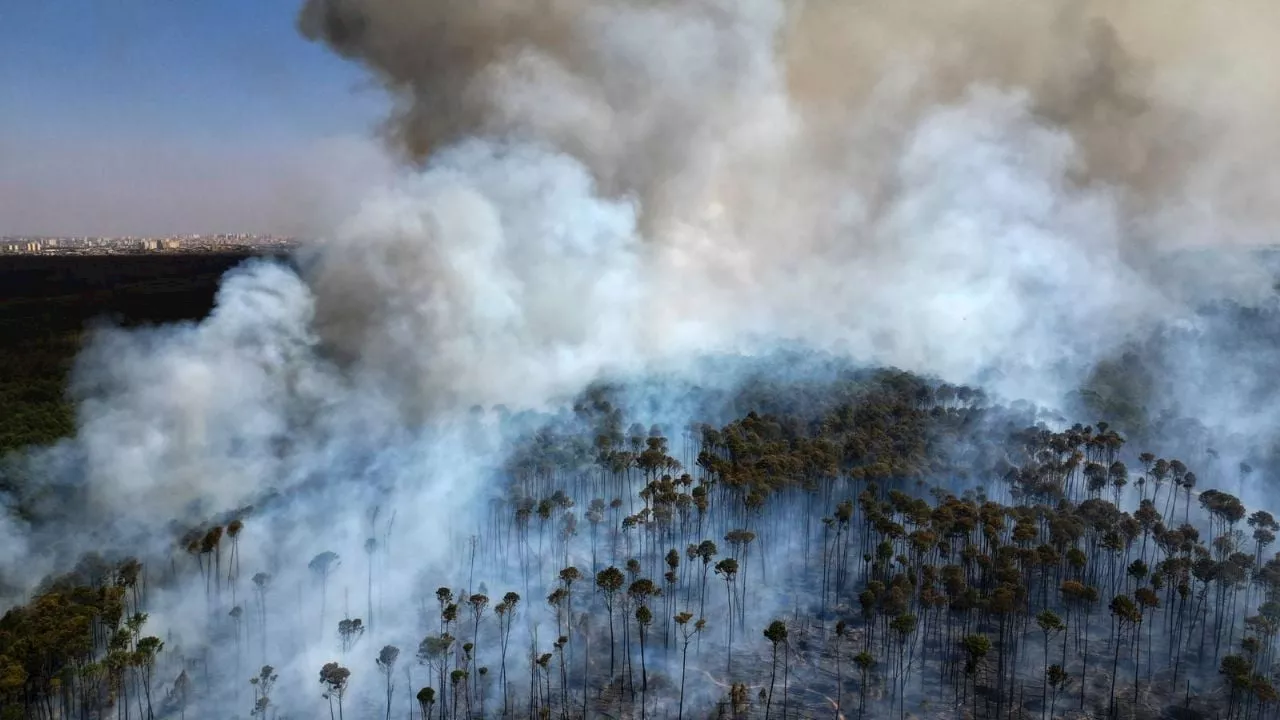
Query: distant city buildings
[[88, 245]]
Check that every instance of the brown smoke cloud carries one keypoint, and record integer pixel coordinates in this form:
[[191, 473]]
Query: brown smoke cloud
[[945, 185], [1167, 100]]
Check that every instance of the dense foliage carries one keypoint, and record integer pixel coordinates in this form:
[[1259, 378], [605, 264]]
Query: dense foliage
[[874, 544]]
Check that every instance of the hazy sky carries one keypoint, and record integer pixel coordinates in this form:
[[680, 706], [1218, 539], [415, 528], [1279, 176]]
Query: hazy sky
[[152, 116]]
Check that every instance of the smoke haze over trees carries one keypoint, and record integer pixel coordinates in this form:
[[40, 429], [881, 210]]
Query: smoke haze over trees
[[578, 416]]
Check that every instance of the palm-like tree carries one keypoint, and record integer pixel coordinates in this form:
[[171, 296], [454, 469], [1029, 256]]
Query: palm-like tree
[[1049, 624], [1124, 613], [687, 633], [322, 565], [644, 617], [387, 658], [728, 569], [776, 634], [334, 678]]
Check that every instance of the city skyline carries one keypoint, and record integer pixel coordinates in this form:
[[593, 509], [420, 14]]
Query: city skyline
[[152, 119], [107, 245]]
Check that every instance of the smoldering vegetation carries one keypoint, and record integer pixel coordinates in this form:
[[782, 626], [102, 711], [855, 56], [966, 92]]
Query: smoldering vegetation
[[622, 309], [859, 541]]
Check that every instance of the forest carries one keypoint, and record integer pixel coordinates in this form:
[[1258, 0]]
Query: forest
[[661, 369], [47, 303], [837, 543]]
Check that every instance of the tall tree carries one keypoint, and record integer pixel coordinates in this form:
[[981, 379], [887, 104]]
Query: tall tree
[[334, 678], [687, 633], [322, 565], [387, 658], [776, 634], [1050, 624], [643, 619], [609, 582]]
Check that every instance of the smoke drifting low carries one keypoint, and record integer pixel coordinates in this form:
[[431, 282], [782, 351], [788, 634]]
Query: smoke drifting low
[[597, 188]]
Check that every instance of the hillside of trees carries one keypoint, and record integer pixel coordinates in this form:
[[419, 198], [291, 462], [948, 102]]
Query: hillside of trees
[[868, 543]]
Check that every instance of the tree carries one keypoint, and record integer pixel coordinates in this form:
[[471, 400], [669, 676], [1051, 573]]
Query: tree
[[1057, 679], [211, 544], [976, 648], [321, 566], [182, 692], [506, 613], [568, 576], [426, 699], [1238, 671], [370, 548], [643, 618], [864, 663], [728, 569], [1124, 613], [233, 563], [609, 582], [261, 584], [641, 591], [1084, 596], [334, 678], [1146, 600], [433, 652], [262, 685], [840, 629], [350, 630], [457, 677], [478, 603], [145, 658], [776, 634], [686, 635], [1050, 624], [387, 658], [705, 551]]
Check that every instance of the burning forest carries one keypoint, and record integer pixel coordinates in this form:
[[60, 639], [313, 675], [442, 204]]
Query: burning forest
[[707, 359]]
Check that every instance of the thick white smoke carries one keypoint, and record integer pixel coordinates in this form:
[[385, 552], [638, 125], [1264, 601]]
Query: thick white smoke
[[608, 187]]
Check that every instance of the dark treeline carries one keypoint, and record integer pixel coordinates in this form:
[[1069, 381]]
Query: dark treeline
[[872, 545], [46, 302]]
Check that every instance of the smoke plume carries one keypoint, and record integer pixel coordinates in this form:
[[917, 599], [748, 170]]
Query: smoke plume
[[958, 186], [984, 190]]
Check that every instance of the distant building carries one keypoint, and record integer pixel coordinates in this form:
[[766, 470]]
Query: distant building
[[23, 246], [107, 245]]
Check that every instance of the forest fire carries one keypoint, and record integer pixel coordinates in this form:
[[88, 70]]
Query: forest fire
[[739, 359]]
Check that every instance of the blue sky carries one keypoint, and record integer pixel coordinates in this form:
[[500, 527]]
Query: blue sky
[[137, 116]]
